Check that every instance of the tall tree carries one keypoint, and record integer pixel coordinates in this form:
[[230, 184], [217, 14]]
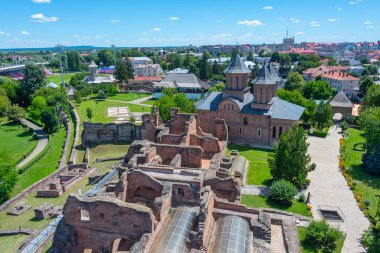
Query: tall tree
[[323, 117], [73, 61], [285, 65], [124, 71], [295, 81], [275, 57], [105, 57], [4, 105], [291, 160], [34, 79], [365, 83], [250, 56], [36, 108], [16, 113], [204, 67], [89, 113], [317, 90], [50, 120], [372, 97]]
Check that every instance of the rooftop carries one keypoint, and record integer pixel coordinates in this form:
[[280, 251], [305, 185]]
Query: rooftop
[[236, 66]]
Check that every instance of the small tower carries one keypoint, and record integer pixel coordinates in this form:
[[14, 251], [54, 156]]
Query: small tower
[[237, 75], [264, 89], [93, 69]]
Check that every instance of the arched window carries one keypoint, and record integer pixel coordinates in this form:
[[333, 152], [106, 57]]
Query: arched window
[[279, 131], [229, 128], [181, 192], [245, 121], [258, 132], [274, 132], [240, 131]]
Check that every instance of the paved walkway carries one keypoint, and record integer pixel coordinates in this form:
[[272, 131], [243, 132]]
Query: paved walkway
[[42, 142], [329, 187], [135, 102], [255, 190]]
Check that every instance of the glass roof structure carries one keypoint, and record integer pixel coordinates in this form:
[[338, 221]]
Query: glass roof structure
[[232, 236], [177, 232]]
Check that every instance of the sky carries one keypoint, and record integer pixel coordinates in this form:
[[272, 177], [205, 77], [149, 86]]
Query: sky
[[140, 23]]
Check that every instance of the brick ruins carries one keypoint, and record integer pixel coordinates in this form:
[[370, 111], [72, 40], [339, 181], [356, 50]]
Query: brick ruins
[[175, 193]]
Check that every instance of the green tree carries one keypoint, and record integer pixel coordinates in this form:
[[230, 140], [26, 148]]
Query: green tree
[[372, 97], [34, 79], [250, 56], [365, 83], [11, 88], [175, 60], [282, 191], [50, 120], [291, 160], [124, 71], [16, 113], [323, 117], [319, 90], [275, 57], [89, 113], [102, 94], [204, 67], [370, 70], [8, 176], [73, 61], [322, 236], [332, 62], [295, 81], [105, 57], [217, 87], [37, 106], [285, 65], [4, 105]]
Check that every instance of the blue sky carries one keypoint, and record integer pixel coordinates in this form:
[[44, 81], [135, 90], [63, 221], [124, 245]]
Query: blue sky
[[42, 23]]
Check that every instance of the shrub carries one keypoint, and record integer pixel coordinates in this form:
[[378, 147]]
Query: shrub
[[302, 198], [102, 94], [343, 125], [322, 236], [282, 191]]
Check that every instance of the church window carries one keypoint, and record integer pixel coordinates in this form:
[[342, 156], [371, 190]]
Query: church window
[[245, 121], [240, 131], [258, 132], [280, 131], [274, 132]]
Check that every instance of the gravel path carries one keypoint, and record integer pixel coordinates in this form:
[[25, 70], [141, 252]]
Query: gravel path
[[42, 142], [255, 190], [329, 187]]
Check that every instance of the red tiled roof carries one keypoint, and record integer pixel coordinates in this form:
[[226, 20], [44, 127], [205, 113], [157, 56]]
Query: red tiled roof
[[148, 78], [315, 72], [339, 75]]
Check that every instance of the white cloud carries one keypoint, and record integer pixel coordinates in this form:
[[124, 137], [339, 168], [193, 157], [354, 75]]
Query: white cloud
[[268, 8], [42, 1], [115, 21], [76, 36], [143, 33], [250, 23], [174, 18], [2, 33], [339, 9], [25, 33], [355, 2], [300, 33], [314, 23], [156, 29], [367, 23], [332, 19], [295, 20], [41, 18], [371, 26]]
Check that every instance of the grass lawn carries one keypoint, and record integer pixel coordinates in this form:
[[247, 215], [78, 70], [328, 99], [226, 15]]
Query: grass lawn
[[99, 110], [56, 78], [127, 97], [16, 140], [261, 201], [308, 248], [26, 220], [109, 150], [258, 173], [367, 184], [149, 102], [44, 164]]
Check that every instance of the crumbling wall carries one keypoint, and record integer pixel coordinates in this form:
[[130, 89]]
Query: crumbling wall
[[226, 188], [99, 223], [190, 155]]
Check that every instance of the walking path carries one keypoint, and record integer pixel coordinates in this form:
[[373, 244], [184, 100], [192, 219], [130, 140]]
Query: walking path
[[42, 142], [328, 187], [255, 190], [135, 102]]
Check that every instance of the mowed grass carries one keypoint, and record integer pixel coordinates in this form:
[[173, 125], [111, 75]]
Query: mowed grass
[[99, 110], [127, 97], [16, 140], [56, 78], [367, 184], [26, 220], [149, 102], [261, 201], [44, 166], [258, 173], [306, 247], [108, 150]]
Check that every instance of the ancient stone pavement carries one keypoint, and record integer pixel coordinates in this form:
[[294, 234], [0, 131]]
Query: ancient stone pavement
[[329, 188]]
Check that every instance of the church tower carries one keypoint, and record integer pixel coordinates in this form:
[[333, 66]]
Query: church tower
[[93, 69], [237, 75], [264, 89]]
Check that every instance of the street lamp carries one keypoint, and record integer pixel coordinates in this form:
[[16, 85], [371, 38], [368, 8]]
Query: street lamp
[[60, 51]]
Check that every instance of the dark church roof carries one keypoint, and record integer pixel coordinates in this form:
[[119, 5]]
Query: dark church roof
[[341, 100], [273, 73], [280, 109], [236, 66], [264, 77]]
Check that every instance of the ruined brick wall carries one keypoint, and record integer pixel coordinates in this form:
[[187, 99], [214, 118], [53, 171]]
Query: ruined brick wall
[[190, 155], [138, 184], [110, 222], [209, 144]]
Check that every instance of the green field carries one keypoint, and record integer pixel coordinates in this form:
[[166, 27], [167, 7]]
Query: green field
[[308, 248], [99, 109], [258, 173], [365, 183], [56, 78], [149, 102], [44, 164], [16, 140], [127, 97], [261, 201]]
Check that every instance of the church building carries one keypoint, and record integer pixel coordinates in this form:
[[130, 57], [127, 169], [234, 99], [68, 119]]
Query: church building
[[257, 118]]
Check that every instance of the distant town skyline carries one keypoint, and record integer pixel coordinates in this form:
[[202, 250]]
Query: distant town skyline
[[138, 23]]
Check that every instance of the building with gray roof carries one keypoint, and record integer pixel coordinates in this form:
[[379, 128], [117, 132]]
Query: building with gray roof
[[341, 104], [255, 117]]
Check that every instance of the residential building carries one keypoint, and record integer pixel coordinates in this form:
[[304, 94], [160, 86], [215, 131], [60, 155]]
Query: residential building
[[148, 70], [140, 60], [341, 81]]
